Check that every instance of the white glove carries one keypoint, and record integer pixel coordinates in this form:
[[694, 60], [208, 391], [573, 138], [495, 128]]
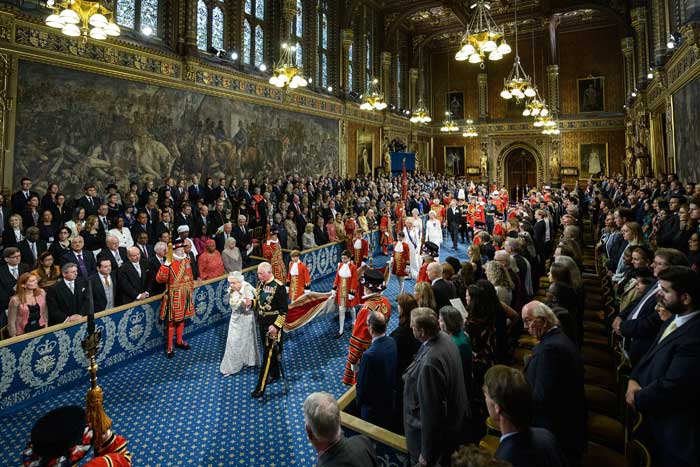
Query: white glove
[[351, 296], [354, 367], [249, 249], [307, 291], [287, 290], [167, 263], [386, 233], [408, 270], [363, 264], [333, 293]]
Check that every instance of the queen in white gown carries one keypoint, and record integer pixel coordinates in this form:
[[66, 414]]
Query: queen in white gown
[[241, 343]]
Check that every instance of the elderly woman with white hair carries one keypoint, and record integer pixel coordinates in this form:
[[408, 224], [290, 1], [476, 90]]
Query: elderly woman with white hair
[[433, 229], [241, 343], [231, 256]]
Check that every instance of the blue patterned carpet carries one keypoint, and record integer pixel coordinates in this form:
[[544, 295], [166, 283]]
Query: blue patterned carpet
[[183, 412]]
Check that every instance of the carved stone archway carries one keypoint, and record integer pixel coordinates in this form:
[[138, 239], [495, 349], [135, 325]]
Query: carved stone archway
[[505, 150]]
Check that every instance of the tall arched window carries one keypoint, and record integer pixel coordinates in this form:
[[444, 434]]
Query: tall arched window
[[323, 42], [254, 32], [368, 61], [138, 15], [350, 77], [210, 24], [398, 81], [297, 31]]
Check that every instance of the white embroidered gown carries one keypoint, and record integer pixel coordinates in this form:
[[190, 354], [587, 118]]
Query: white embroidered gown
[[242, 343]]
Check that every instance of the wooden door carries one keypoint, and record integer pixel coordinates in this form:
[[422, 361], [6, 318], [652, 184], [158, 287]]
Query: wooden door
[[521, 171]]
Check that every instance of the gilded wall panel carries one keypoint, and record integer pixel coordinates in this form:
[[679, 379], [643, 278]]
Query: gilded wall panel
[[686, 121], [98, 129]]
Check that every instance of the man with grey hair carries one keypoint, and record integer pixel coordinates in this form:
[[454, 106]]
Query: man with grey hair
[[154, 262], [113, 252], [555, 372], [436, 407], [443, 290], [514, 247], [244, 238], [322, 424]]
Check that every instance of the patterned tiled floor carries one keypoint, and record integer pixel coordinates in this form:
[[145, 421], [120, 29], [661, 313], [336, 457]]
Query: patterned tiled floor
[[183, 412]]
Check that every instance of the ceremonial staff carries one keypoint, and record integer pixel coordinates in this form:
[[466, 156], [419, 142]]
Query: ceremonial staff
[[94, 411]]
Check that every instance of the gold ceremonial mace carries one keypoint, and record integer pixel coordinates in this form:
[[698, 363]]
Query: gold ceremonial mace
[[94, 411]]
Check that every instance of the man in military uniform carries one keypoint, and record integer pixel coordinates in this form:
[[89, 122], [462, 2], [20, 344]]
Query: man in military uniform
[[270, 312], [491, 212]]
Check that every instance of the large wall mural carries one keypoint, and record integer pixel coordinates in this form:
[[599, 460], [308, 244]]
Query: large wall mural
[[75, 127], [686, 121]]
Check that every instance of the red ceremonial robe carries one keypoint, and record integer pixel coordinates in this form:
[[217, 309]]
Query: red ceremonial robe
[[299, 282], [178, 301], [401, 260], [345, 286], [272, 252]]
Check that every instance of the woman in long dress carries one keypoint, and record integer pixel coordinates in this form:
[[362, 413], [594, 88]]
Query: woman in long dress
[[414, 245], [241, 343]]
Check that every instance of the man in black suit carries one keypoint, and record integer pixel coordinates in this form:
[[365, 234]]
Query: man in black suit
[[555, 373], [67, 300], [4, 218], [436, 407], [194, 190], [132, 277], [164, 225], [244, 193], [10, 271], [113, 252], [90, 201], [376, 377], [509, 403], [31, 247], [154, 262], [201, 222], [330, 212], [21, 198], [85, 260], [217, 217], [144, 247], [142, 225], [639, 323], [664, 384], [453, 219], [103, 220], [184, 217], [223, 236], [322, 424], [104, 286], [444, 291], [244, 238], [542, 235]]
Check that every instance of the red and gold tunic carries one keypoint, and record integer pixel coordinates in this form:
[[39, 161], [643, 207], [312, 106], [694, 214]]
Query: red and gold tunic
[[345, 286], [480, 214], [350, 227], [178, 301], [272, 252], [401, 260], [399, 216], [385, 236], [361, 339], [360, 254], [112, 453], [423, 274], [299, 281]]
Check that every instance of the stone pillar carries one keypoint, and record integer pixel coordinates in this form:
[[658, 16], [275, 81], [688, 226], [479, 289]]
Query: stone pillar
[[627, 44], [289, 12], [553, 87], [191, 27], [414, 91], [385, 78], [346, 39], [639, 23], [482, 82], [310, 38], [659, 33]]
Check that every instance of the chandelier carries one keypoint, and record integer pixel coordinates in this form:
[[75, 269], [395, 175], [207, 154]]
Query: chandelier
[[420, 113], [448, 125], [470, 130], [374, 98], [286, 72], [551, 130], [517, 85], [548, 124], [536, 107], [483, 37], [82, 18]]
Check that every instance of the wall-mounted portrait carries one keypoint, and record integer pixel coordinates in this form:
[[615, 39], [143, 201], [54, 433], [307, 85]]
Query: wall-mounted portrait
[[365, 161], [569, 171], [473, 170], [591, 94], [685, 123], [593, 160], [454, 102], [455, 159]]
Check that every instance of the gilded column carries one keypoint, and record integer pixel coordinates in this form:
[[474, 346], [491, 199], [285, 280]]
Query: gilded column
[[482, 80], [627, 44], [190, 27], [310, 40], [385, 78], [412, 89], [346, 39], [289, 12], [553, 87], [639, 23]]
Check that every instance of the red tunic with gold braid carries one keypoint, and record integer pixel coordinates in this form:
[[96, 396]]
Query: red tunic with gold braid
[[272, 252], [345, 286], [350, 227], [299, 281], [401, 260], [399, 216], [113, 453], [178, 301], [385, 238], [360, 254], [423, 274], [361, 338]]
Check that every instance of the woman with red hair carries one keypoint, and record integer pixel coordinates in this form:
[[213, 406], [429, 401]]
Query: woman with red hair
[[27, 309]]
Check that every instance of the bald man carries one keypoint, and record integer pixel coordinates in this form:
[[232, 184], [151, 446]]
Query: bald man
[[133, 277]]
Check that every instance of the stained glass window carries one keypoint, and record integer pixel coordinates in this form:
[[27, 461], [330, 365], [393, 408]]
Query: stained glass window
[[297, 31], [324, 70], [202, 20], [324, 31], [299, 20], [247, 39], [368, 61], [350, 77], [248, 7], [259, 45], [217, 28], [398, 81], [126, 13], [149, 14], [260, 9]]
